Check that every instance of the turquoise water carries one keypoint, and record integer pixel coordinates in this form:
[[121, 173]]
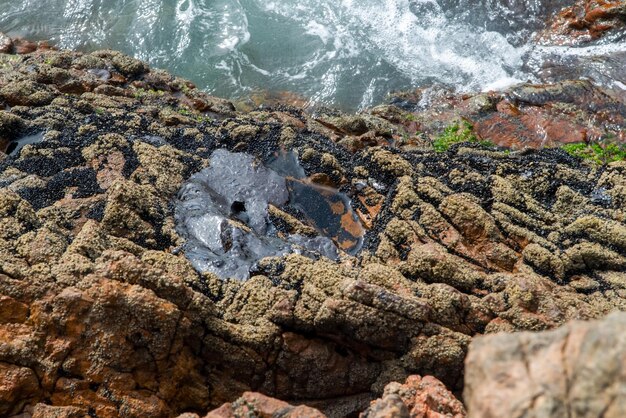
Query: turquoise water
[[345, 53]]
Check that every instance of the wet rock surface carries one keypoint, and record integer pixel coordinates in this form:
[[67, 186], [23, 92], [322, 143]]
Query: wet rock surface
[[586, 21], [101, 313], [223, 211], [575, 371], [524, 116]]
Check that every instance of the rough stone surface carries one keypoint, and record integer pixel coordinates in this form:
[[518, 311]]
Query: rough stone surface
[[524, 116], [258, 405], [418, 397], [102, 314], [578, 370], [6, 44]]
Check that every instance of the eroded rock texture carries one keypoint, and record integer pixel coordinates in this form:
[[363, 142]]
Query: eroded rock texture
[[575, 371], [254, 405], [101, 313], [418, 397]]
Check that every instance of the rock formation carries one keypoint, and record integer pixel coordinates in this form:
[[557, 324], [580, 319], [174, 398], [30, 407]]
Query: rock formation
[[574, 371], [585, 21], [101, 313]]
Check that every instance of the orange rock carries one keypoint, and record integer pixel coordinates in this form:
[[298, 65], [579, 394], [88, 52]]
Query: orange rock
[[12, 311], [23, 46], [418, 397], [256, 405], [18, 386], [584, 21]]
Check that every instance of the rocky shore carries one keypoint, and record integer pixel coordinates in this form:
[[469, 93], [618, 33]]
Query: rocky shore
[[483, 214]]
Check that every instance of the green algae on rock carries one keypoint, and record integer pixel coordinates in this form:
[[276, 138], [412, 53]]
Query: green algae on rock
[[456, 134], [597, 153]]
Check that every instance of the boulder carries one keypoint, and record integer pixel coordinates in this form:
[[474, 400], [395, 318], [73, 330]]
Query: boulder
[[578, 370], [585, 21], [418, 397], [101, 311]]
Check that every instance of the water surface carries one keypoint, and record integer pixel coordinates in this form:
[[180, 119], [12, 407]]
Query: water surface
[[346, 53]]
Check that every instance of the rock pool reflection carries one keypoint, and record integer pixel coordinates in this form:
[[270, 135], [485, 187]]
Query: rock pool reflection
[[222, 212], [14, 147]]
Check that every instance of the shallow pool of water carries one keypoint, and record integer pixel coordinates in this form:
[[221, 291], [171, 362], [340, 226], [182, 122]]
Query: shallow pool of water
[[14, 147], [223, 212]]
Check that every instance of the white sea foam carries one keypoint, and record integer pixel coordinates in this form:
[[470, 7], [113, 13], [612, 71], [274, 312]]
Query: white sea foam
[[345, 52], [319, 30]]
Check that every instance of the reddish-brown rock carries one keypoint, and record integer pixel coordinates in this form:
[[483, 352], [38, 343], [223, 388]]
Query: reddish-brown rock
[[12, 311], [524, 116], [24, 46], [584, 21], [101, 306], [18, 386], [418, 397], [256, 405]]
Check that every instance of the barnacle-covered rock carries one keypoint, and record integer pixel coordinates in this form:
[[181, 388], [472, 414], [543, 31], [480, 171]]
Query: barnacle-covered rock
[[102, 311]]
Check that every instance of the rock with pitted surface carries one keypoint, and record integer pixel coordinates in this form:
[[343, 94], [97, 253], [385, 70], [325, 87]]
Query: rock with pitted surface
[[256, 405], [524, 116], [102, 313], [418, 397], [578, 370]]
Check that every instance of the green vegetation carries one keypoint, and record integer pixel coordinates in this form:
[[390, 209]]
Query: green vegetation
[[599, 154], [140, 93], [191, 114], [455, 134], [185, 112], [410, 117], [7, 60]]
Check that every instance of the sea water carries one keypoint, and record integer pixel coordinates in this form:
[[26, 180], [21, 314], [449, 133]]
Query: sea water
[[344, 53]]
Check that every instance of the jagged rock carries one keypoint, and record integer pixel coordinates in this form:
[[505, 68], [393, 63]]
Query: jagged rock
[[574, 371], [19, 384], [258, 405], [524, 116], [418, 397], [100, 310]]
